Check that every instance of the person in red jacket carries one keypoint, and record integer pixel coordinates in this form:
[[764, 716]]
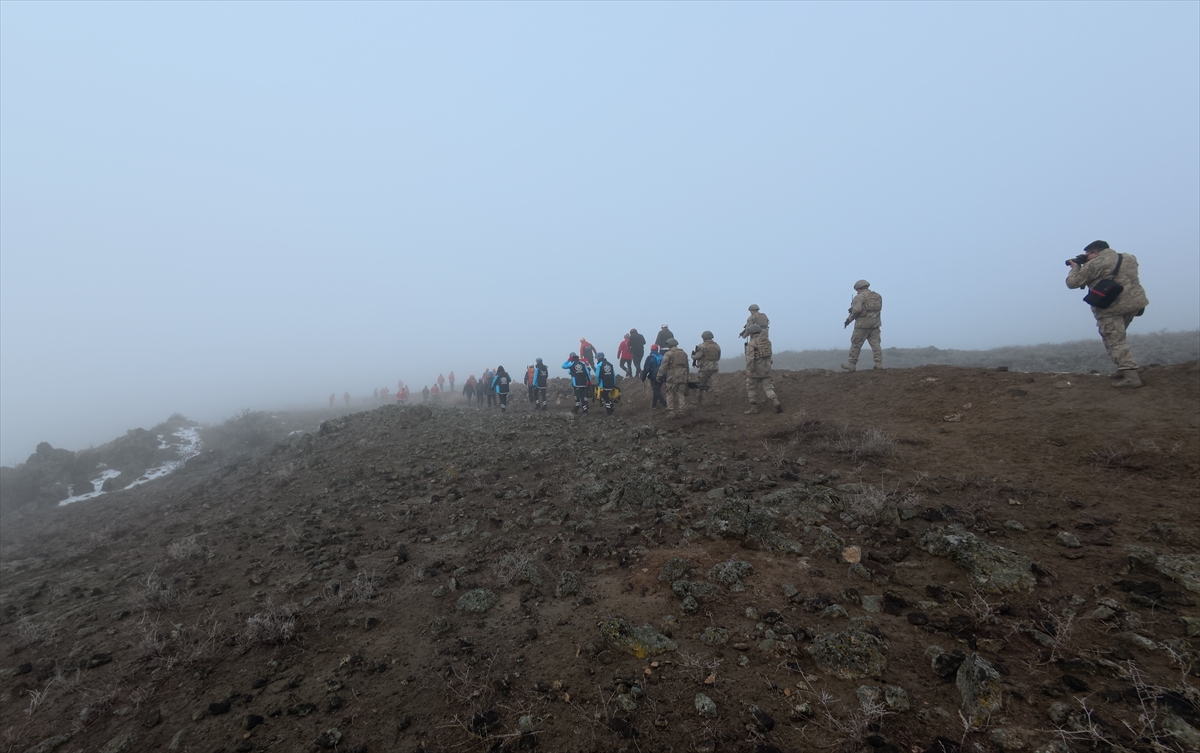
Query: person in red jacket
[[471, 389], [452, 381], [441, 382], [625, 357], [435, 392], [587, 352]]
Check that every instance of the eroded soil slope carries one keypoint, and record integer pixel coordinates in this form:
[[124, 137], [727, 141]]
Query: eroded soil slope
[[903, 560]]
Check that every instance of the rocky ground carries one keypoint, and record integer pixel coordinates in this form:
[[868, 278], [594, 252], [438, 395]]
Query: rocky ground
[[919, 559]]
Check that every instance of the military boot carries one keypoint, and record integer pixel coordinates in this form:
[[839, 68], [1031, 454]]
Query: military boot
[[879, 366], [778, 407], [1129, 378], [753, 409], [849, 367]]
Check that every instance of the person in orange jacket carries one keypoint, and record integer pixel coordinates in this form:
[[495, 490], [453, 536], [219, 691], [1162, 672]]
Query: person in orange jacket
[[471, 389], [451, 381]]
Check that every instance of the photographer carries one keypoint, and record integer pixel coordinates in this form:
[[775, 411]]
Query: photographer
[[1100, 263]]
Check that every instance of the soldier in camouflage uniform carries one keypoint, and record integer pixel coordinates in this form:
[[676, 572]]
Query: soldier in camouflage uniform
[[1114, 320], [705, 358], [864, 312], [756, 317], [673, 375], [758, 368]]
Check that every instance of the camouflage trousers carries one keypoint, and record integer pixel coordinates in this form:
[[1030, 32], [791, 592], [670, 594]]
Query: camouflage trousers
[[861, 335], [704, 377], [752, 384], [676, 395], [1112, 332]]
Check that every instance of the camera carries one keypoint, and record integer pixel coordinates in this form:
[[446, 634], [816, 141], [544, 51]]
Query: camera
[[1080, 260]]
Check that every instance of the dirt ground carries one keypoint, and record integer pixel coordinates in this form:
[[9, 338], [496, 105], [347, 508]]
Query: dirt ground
[[307, 599]]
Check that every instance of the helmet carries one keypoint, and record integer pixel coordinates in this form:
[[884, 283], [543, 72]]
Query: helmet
[[654, 346], [539, 360], [754, 329], [754, 307], [600, 356], [861, 284], [706, 335], [672, 342]]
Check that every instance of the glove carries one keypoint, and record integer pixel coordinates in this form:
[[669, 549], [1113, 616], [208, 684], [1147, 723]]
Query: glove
[[847, 324]]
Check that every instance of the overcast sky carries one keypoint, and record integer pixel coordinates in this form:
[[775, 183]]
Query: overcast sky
[[212, 206]]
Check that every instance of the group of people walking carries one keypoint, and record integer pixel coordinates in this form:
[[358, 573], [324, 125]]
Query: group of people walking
[[1114, 292]]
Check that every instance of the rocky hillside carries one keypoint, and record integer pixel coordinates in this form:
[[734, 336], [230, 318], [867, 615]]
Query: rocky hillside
[[934, 559]]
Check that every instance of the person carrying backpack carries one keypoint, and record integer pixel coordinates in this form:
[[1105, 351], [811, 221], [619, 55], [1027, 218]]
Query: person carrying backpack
[[606, 381], [541, 376], [500, 384]]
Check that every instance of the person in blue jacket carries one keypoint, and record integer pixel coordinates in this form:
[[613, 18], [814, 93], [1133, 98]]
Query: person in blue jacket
[[500, 384], [606, 380], [541, 376], [581, 380], [650, 371]]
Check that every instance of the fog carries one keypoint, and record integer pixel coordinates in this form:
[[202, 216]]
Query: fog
[[206, 207]]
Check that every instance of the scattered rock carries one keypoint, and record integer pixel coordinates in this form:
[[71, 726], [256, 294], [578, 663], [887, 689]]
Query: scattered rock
[[992, 568], [121, 743], [714, 636], [729, 574], [641, 642], [675, 569], [50, 744], [705, 706], [1068, 539], [330, 738], [853, 654], [979, 684], [218, 708], [568, 583], [478, 600]]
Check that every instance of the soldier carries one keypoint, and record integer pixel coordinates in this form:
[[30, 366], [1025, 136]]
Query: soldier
[[1103, 263], [705, 357], [758, 369], [606, 381], [673, 375], [864, 312], [756, 317]]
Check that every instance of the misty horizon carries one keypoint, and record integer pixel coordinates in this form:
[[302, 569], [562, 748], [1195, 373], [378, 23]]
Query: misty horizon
[[205, 208]]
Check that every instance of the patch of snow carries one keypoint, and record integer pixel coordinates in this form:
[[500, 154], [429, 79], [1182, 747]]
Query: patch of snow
[[97, 485], [188, 448]]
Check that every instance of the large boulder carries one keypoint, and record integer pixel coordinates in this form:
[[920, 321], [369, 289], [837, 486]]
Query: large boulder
[[853, 654], [979, 684], [991, 568]]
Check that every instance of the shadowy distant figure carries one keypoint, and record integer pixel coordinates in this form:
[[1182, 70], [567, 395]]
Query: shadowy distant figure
[[375, 394], [441, 383], [383, 394], [501, 383], [425, 394], [346, 398], [436, 393], [451, 379], [637, 349], [470, 387], [485, 386], [332, 397], [402, 395]]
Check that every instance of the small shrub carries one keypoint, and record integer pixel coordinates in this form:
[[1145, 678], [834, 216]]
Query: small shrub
[[866, 444], [275, 626], [155, 594], [188, 549]]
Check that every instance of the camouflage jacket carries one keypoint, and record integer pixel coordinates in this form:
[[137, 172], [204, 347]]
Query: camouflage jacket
[[865, 308], [759, 318], [706, 355], [674, 367], [758, 356], [1132, 299]]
